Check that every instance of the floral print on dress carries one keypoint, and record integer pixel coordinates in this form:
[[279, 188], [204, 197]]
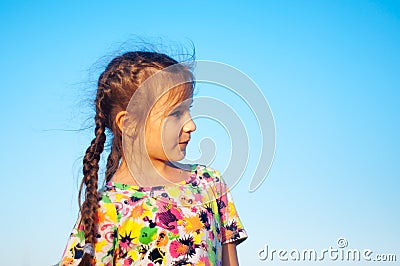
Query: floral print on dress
[[177, 224]]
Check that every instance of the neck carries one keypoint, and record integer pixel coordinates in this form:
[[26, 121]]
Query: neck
[[155, 173]]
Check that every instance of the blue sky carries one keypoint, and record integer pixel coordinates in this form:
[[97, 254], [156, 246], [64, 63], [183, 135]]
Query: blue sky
[[330, 73]]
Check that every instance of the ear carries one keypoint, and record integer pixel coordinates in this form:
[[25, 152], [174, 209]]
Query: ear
[[119, 119]]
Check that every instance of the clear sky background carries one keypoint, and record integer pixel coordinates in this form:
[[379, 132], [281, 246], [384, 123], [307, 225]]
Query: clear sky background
[[330, 71]]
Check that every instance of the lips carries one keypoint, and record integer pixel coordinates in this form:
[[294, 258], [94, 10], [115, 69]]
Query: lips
[[184, 142]]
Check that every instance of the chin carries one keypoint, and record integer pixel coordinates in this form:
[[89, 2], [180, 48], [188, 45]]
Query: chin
[[176, 154], [178, 157]]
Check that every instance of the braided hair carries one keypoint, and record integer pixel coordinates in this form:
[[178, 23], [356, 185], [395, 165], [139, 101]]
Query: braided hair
[[116, 85]]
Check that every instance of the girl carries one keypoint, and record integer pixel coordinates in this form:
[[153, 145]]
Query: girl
[[152, 210]]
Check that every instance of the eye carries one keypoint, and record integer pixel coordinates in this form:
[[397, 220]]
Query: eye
[[181, 111], [177, 113]]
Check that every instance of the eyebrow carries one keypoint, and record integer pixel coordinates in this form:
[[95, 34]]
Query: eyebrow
[[184, 104]]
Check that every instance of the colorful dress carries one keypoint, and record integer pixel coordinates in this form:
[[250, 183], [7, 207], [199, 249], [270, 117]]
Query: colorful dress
[[177, 224]]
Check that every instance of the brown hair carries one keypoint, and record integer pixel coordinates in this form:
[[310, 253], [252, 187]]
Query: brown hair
[[116, 85]]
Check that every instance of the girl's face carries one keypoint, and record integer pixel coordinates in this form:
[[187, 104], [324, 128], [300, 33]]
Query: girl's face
[[168, 133]]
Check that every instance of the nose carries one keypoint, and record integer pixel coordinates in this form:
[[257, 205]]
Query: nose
[[189, 126]]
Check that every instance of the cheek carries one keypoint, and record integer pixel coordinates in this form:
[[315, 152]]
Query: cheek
[[153, 136], [171, 131]]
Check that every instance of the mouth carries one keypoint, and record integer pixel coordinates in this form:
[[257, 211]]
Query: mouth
[[186, 142]]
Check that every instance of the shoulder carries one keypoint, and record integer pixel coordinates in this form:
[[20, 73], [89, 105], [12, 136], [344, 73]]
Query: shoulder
[[207, 171], [211, 177], [107, 205], [115, 194]]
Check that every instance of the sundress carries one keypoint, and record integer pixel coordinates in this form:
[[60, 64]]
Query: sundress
[[178, 224]]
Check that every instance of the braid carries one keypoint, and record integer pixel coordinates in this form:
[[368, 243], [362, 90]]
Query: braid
[[113, 158], [91, 160]]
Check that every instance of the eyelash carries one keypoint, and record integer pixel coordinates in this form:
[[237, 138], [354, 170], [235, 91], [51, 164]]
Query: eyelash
[[176, 114], [179, 113]]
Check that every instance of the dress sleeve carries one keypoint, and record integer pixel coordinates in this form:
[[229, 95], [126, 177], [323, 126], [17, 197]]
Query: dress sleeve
[[231, 227], [106, 229]]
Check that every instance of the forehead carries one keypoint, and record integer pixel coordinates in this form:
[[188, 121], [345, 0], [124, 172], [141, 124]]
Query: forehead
[[180, 95]]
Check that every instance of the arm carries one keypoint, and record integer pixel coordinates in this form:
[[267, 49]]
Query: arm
[[229, 255], [232, 231]]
